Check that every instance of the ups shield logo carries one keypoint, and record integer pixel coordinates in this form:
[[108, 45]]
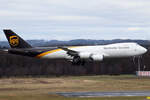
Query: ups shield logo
[[14, 40]]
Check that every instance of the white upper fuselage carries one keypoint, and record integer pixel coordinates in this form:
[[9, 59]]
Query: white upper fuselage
[[108, 51]]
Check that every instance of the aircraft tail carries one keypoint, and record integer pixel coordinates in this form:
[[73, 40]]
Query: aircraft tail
[[14, 40]]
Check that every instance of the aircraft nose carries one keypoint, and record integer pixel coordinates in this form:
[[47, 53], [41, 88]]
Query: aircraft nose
[[144, 50]]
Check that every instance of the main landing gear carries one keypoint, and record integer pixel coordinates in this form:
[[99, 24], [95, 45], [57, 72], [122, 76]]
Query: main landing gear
[[78, 61]]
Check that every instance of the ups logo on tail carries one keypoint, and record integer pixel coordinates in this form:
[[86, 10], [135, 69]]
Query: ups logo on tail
[[14, 40]]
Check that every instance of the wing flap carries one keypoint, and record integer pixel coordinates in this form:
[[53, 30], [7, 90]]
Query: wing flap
[[69, 51]]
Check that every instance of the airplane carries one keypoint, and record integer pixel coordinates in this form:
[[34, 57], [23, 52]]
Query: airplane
[[78, 55]]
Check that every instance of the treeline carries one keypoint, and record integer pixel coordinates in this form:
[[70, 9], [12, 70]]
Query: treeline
[[13, 65]]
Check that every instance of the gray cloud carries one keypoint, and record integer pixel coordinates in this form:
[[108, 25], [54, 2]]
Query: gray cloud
[[72, 19]]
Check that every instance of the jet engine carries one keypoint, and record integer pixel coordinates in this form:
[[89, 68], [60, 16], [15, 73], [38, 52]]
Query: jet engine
[[82, 57], [96, 57], [85, 55]]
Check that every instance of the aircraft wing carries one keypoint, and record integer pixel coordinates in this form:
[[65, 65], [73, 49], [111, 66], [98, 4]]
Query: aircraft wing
[[69, 51]]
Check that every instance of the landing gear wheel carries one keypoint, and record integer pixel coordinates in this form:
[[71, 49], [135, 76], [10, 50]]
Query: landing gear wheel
[[83, 63], [76, 60]]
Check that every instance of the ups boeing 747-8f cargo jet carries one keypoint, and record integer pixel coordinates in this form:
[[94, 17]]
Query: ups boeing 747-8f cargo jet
[[76, 54]]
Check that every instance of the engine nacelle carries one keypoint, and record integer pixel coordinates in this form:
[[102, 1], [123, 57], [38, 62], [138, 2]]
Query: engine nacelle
[[93, 57], [97, 57], [85, 55]]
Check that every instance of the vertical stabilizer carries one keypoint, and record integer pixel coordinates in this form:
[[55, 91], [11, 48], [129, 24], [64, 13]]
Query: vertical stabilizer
[[14, 40]]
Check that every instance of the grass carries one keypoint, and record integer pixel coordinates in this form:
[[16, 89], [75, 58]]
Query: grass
[[38, 88], [52, 97]]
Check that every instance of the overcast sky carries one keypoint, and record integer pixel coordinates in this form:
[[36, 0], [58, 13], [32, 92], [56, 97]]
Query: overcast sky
[[76, 19]]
